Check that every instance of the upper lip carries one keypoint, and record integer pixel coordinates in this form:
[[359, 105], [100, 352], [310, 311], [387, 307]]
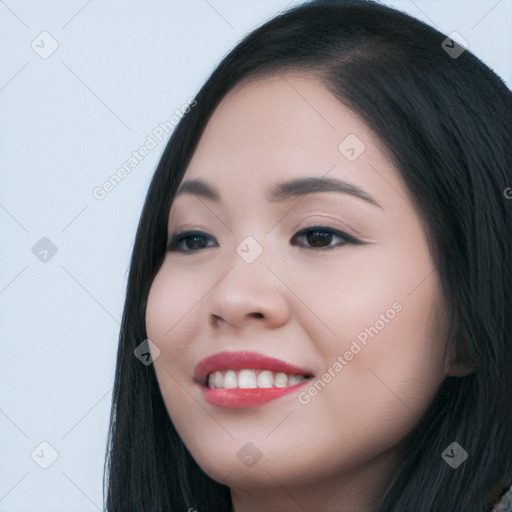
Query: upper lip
[[241, 360]]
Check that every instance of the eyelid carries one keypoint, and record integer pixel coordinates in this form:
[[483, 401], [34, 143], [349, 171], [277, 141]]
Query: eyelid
[[318, 219], [334, 230]]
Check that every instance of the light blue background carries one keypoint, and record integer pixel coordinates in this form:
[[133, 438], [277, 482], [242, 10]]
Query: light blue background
[[69, 122]]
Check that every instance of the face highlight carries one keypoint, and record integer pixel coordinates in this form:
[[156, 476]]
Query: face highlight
[[356, 301]]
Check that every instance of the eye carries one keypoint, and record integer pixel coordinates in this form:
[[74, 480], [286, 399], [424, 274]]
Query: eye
[[184, 236], [322, 235]]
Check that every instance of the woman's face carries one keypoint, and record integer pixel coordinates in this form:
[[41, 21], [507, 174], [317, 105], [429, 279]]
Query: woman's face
[[362, 317]]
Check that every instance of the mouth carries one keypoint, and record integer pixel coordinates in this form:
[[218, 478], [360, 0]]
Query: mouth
[[247, 379], [251, 379]]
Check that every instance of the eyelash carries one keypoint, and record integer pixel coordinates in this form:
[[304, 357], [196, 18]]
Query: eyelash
[[180, 237]]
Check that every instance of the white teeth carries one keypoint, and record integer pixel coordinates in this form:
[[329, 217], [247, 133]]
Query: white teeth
[[280, 380], [246, 379], [230, 380], [295, 379], [218, 380], [251, 379], [265, 379]]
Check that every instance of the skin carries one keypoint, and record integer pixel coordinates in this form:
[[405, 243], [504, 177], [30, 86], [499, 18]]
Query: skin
[[299, 303]]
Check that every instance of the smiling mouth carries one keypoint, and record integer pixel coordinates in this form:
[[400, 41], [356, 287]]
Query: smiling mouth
[[252, 379], [240, 389], [236, 380]]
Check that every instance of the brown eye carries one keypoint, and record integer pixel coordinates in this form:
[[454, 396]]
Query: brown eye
[[320, 237], [194, 240]]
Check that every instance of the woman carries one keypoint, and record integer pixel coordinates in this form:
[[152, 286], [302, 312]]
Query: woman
[[296, 371]]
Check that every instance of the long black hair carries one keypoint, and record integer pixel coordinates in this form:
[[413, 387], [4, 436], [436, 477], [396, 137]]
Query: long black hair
[[444, 119]]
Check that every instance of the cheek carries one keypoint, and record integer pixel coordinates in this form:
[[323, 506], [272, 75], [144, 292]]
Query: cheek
[[171, 326], [170, 304], [391, 338], [392, 375]]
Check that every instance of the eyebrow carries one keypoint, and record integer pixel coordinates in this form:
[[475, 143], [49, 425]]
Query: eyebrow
[[285, 190]]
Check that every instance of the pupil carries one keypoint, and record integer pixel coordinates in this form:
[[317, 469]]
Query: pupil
[[193, 240], [322, 237]]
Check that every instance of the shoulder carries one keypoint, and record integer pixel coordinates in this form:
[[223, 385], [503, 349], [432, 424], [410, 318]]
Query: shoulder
[[504, 502]]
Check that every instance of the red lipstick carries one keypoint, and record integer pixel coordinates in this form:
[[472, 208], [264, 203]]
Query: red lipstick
[[236, 397]]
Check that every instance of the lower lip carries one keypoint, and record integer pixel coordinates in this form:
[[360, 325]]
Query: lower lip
[[239, 398]]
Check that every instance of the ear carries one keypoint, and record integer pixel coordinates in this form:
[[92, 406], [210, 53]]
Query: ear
[[458, 362]]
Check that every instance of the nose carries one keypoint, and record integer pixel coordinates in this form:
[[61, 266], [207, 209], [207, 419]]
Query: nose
[[249, 293]]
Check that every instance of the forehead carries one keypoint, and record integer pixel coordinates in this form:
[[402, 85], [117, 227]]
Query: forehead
[[285, 127]]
